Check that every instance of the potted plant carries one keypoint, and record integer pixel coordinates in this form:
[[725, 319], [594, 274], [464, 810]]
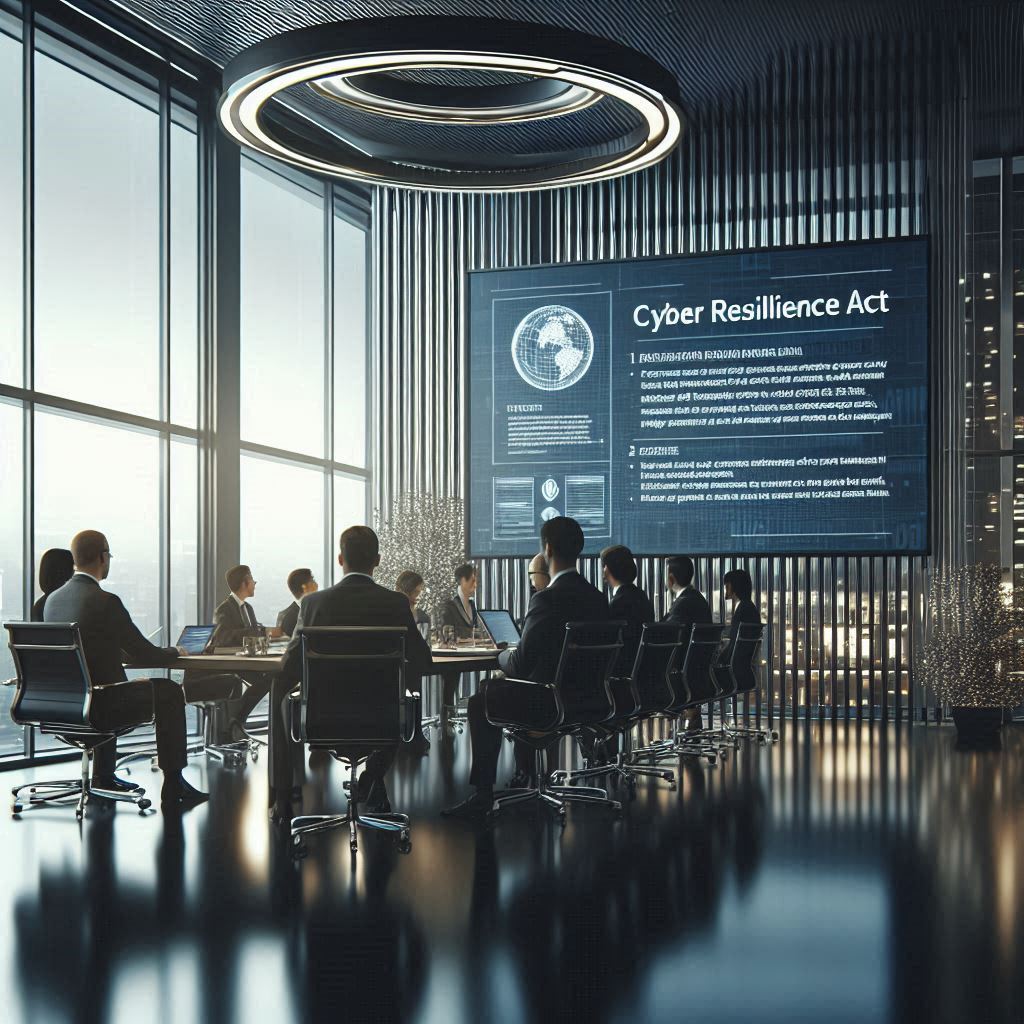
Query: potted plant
[[973, 656]]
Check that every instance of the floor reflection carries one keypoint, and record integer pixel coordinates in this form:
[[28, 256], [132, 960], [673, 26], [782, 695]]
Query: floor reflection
[[850, 873]]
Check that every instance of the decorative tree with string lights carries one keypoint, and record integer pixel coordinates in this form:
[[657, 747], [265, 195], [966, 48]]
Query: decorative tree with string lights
[[425, 533], [973, 655]]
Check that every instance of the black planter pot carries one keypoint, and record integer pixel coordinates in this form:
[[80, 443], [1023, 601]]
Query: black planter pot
[[978, 726]]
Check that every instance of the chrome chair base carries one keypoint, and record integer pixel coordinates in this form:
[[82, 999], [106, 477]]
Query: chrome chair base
[[620, 769], [311, 824], [61, 792], [547, 792]]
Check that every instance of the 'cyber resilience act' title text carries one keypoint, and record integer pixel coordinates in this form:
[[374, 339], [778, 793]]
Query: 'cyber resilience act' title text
[[763, 307]]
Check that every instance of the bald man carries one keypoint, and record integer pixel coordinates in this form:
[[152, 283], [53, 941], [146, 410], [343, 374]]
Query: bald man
[[540, 575], [108, 636]]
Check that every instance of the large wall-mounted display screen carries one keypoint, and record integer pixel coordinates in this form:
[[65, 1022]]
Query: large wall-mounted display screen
[[747, 403]]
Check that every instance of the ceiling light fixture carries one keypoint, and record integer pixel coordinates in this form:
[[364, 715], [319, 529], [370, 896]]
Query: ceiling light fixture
[[372, 67]]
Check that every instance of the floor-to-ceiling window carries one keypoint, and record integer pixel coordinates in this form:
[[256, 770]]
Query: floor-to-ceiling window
[[109, 347], [995, 386], [100, 362], [303, 381]]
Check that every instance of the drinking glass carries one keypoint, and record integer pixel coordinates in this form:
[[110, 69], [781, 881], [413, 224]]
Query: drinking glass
[[248, 645], [448, 636]]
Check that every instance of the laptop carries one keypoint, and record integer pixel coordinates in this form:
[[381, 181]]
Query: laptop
[[500, 625], [195, 638]]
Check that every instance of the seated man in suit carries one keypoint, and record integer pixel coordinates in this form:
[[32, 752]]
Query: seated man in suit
[[689, 606], [108, 637], [568, 598], [630, 604], [356, 601], [739, 588], [460, 610], [300, 583], [234, 619]]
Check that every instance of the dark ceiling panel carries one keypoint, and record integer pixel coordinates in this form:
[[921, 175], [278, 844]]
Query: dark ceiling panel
[[709, 45]]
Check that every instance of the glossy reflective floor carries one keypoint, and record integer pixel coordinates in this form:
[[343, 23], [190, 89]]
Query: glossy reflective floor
[[848, 874]]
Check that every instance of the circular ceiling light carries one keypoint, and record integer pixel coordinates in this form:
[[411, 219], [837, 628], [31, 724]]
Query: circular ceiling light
[[416, 69]]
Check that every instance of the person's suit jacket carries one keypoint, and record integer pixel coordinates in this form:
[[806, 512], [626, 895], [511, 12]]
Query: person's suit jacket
[[453, 614], [745, 611], [569, 599], [634, 607], [109, 637], [287, 618], [689, 608], [230, 624], [359, 601]]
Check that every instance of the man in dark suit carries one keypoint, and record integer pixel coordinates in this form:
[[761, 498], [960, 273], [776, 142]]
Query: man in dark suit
[[109, 637], [628, 602], [233, 619], [356, 601], [630, 605], [689, 606], [300, 583], [568, 598], [460, 609]]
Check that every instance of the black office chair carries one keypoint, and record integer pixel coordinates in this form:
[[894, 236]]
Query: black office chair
[[738, 674], [352, 702], [55, 695], [644, 693], [693, 686], [579, 697]]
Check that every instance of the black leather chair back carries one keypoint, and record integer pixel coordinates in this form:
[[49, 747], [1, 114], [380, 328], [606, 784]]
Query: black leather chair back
[[352, 690], [53, 678], [661, 645], [696, 679], [583, 677], [745, 657]]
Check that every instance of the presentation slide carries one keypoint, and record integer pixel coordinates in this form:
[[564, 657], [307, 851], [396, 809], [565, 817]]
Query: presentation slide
[[744, 403]]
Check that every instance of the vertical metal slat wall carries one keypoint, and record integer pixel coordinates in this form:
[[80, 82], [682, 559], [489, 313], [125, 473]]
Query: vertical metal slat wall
[[861, 140]]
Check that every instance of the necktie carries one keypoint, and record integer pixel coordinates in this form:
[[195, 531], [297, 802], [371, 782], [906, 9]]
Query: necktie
[[249, 616]]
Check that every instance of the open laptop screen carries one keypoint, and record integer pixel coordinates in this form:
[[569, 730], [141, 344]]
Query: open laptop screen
[[500, 625], [195, 638]]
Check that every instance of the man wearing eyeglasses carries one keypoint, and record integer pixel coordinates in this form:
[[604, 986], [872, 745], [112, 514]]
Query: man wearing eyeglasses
[[540, 575], [109, 638]]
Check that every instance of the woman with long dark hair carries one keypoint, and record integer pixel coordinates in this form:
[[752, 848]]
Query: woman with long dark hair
[[56, 567]]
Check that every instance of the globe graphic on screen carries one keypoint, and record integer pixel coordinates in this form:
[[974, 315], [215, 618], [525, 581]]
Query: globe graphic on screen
[[552, 348]]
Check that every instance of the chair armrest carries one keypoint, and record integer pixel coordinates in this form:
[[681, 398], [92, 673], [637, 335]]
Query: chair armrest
[[559, 710], [409, 716], [125, 682]]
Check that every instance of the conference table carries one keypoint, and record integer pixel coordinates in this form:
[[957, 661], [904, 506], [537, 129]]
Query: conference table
[[445, 661]]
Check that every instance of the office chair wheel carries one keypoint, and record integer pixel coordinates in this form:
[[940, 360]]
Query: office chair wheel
[[16, 808], [255, 755], [353, 845], [144, 805], [79, 813], [561, 817], [712, 760], [404, 836], [405, 846], [300, 851]]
